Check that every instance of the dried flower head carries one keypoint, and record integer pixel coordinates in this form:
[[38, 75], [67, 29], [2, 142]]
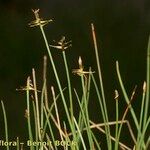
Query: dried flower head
[[144, 86], [80, 71], [62, 44], [28, 87], [38, 21], [116, 95], [26, 114]]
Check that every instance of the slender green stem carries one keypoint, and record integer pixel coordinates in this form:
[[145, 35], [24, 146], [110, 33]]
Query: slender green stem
[[96, 142], [49, 110], [35, 122], [144, 131], [126, 96], [50, 129], [85, 97], [81, 137], [85, 117], [84, 89], [5, 122], [42, 104], [101, 86], [28, 113], [18, 143], [117, 116], [88, 86], [141, 114], [57, 113], [57, 79], [147, 86], [148, 142], [102, 110], [69, 84]]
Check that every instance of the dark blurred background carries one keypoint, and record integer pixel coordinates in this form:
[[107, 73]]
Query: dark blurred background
[[122, 28]]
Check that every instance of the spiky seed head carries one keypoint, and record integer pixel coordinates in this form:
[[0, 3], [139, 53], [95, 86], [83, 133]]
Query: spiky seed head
[[80, 62], [144, 86], [116, 95]]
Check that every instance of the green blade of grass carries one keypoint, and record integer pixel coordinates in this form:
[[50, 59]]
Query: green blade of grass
[[35, 124], [36, 104], [84, 89], [96, 142], [49, 110], [85, 117], [57, 113], [50, 129], [17, 143], [101, 87], [102, 110], [117, 117], [144, 131], [69, 83], [147, 86], [58, 81], [5, 122], [126, 96], [81, 137], [141, 115], [28, 113]]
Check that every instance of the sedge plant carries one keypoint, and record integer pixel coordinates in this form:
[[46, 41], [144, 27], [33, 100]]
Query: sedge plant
[[47, 129]]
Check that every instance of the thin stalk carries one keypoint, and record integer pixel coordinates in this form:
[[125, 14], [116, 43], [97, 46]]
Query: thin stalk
[[141, 114], [84, 88], [82, 119], [144, 131], [45, 82], [101, 86], [81, 137], [112, 138], [126, 96], [102, 110], [96, 142], [36, 105], [88, 86], [123, 118], [44, 93], [67, 139], [69, 84], [42, 105], [28, 113], [117, 116], [57, 113], [85, 121], [147, 87], [5, 122], [49, 110], [114, 123], [18, 143], [42, 114], [70, 90], [148, 142], [50, 129], [87, 91], [50, 146], [57, 79], [35, 122]]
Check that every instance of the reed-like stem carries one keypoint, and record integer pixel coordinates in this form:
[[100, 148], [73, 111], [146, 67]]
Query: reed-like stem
[[69, 85], [6, 125], [101, 88], [57, 80], [27, 113]]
